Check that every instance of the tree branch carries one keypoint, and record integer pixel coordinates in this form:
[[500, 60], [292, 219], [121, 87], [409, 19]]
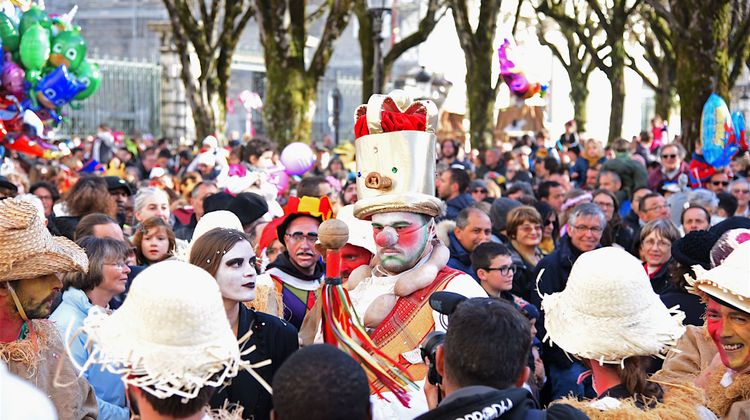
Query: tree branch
[[336, 22], [641, 74], [318, 12], [426, 25]]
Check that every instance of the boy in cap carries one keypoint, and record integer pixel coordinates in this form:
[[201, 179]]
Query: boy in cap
[[31, 261]]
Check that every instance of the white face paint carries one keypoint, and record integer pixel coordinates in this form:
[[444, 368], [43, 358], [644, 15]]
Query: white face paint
[[236, 273]]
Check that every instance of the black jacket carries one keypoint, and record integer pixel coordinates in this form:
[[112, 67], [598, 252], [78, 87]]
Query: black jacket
[[455, 205], [523, 278], [488, 403], [556, 268], [274, 339], [689, 303]]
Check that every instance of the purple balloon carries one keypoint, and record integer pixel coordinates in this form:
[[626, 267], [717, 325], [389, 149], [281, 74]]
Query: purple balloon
[[297, 158]]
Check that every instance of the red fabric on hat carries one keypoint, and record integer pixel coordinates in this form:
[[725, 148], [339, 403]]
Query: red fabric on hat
[[269, 233], [392, 121]]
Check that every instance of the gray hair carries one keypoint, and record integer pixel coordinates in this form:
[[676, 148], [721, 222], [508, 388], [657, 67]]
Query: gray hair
[[144, 194], [739, 181], [100, 251], [587, 209], [462, 220], [680, 150], [703, 197], [662, 227]]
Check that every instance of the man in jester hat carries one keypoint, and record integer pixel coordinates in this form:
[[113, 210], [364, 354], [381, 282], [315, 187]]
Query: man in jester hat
[[395, 149]]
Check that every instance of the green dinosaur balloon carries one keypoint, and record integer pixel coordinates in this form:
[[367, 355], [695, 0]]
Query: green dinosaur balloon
[[9, 33], [89, 74], [32, 16], [68, 49], [35, 48]]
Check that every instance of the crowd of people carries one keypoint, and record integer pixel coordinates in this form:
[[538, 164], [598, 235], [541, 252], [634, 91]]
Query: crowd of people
[[591, 280]]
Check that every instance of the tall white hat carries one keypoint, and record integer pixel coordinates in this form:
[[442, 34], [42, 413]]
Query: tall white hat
[[360, 231], [609, 311]]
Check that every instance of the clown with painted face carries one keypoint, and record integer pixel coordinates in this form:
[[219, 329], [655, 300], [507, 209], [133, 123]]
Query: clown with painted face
[[395, 150], [726, 290]]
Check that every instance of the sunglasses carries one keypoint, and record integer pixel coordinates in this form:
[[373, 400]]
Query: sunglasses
[[668, 156], [722, 183], [480, 190]]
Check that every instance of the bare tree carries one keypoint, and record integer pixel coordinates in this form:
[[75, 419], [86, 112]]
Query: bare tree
[[435, 11], [609, 55], [575, 58], [210, 31], [710, 42], [656, 40], [291, 85]]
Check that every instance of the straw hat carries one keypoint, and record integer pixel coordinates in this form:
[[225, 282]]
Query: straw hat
[[609, 315], [170, 337], [728, 282], [28, 250]]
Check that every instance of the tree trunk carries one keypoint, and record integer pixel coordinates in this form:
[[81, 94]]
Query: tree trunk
[[616, 75], [579, 94], [663, 98], [286, 103], [366, 48], [702, 61], [481, 102]]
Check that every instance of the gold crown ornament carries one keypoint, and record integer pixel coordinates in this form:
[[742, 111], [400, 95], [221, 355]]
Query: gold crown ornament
[[395, 151]]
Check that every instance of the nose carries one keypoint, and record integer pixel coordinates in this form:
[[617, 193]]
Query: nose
[[126, 269], [386, 238], [376, 181]]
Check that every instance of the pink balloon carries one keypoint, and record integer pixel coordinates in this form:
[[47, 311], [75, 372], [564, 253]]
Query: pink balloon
[[281, 180], [13, 77], [297, 158]]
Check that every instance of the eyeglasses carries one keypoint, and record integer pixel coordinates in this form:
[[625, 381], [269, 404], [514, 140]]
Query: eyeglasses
[[650, 243], [549, 222], [480, 190], [604, 204], [589, 229], [717, 183], [504, 270], [740, 191], [668, 156], [659, 207], [311, 237], [119, 266], [530, 228]]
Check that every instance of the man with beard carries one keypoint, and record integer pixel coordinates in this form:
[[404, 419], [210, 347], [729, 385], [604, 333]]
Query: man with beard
[[395, 186], [298, 272], [31, 262]]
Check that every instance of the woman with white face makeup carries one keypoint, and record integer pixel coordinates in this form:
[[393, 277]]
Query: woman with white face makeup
[[228, 256]]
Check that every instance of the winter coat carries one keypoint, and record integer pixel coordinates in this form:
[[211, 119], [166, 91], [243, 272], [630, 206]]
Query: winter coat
[[632, 173], [658, 179], [523, 278], [455, 205], [556, 266], [483, 402], [275, 340], [109, 388], [460, 257]]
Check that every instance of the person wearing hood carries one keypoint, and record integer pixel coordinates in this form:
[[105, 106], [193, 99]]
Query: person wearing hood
[[298, 272], [499, 216], [452, 186], [485, 378]]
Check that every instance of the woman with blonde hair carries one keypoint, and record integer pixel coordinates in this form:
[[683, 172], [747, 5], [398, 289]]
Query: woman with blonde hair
[[228, 256]]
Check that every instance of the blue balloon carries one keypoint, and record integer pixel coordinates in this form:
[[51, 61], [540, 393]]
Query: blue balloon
[[738, 122], [57, 88], [716, 132]]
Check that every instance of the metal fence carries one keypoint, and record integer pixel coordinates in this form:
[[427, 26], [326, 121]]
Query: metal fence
[[128, 100]]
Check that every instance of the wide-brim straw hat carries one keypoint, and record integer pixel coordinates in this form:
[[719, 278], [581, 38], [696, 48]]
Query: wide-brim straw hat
[[170, 337], [28, 250], [728, 282], [609, 311]]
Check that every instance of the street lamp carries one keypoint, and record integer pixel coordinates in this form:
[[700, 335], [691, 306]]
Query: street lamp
[[376, 9], [423, 80], [334, 110]]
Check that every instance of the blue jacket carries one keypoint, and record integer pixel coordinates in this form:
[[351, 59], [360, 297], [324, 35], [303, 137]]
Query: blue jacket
[[460, 257], [455, 205], [109, 389]]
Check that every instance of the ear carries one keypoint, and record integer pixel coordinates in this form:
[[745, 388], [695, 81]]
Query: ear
[[523, 377], [253, 160], [456, 230], [440, 360], [483, 275]]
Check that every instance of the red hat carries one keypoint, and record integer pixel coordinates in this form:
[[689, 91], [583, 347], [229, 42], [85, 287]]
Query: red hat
[[269, 233]]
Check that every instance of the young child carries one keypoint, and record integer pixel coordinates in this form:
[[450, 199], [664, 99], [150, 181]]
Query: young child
[[154, 241]]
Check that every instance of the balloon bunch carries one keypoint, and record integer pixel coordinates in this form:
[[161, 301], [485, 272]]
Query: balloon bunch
[[44, 66], [514, 77], [722, 133]]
